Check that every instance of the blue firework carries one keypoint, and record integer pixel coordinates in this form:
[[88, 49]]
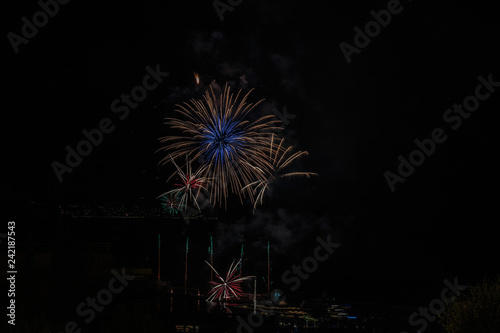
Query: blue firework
[[222, 140], [234, 148]]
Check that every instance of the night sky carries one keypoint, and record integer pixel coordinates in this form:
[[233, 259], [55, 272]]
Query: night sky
[[354, 119]]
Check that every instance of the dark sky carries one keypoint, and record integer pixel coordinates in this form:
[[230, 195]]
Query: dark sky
[[354, 119]]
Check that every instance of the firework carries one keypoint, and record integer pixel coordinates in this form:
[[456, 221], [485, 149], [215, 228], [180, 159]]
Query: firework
[[219, 130], [172, 203], [189, 184], [277, 162], [228, 287]]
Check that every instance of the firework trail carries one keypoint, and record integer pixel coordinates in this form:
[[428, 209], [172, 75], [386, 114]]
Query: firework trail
[[190, 184], [228, 287], [234, 147], [172, 203], [277, 162]]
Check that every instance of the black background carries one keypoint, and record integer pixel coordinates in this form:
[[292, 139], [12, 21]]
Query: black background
[[354, 119]]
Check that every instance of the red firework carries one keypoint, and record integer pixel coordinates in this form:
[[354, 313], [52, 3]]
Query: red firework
[[189, 184], [228, 287]]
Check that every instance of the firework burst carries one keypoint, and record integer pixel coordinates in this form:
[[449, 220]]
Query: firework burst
[[189, 184], [228, 287], [220, 131], [278, 161], [172, 203]]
